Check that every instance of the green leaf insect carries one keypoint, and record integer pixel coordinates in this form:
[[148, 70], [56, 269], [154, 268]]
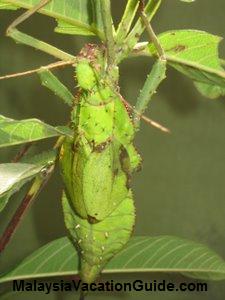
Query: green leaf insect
[[96, 166]]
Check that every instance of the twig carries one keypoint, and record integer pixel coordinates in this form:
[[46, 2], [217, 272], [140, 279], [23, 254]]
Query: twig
[[82, 296], [151, 33], [50, 66], [22, 152], [108, 29], [36, 187]]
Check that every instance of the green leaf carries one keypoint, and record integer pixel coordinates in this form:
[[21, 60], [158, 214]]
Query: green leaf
[[210, 91], [142, 254], [14, 132], [14, 175], [195, 54], [81, 17]]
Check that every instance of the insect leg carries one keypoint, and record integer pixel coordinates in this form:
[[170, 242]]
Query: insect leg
[[155, 77], [49, 80], [33, 42]]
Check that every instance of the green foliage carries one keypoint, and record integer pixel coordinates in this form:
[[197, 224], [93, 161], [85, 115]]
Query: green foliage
[[195, 54], [14, 132], [142, 254], [14, 175]]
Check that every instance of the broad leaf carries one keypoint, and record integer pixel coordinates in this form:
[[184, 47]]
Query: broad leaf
[[14, 175], [81, 17], [195, 54], [142, 254], [14, 132]]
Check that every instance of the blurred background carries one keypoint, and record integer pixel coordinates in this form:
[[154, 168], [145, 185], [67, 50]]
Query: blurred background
[[180, 190]]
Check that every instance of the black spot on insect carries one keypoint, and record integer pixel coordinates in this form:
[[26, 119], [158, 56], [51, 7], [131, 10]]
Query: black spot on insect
[[101, 147]]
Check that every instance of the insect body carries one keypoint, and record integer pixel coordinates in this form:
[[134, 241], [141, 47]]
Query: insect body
[[96, 167]]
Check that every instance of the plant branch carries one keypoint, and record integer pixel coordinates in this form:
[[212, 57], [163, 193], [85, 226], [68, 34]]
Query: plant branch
[[108, 29], [21, 153], [36, 187], [152, 36]]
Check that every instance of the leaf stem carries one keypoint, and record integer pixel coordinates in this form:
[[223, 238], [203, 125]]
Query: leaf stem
[[36, 187], [82, 296], [21, 153], [108, 29]]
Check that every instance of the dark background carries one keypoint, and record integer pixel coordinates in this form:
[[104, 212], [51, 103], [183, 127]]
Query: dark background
[[180, 190]]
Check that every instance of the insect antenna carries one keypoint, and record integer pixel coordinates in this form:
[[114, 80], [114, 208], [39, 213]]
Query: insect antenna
[[54, 65]]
